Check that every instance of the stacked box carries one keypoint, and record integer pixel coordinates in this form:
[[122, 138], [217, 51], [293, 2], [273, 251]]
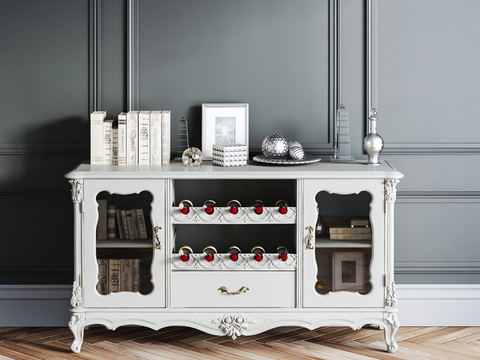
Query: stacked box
[[227, 155]]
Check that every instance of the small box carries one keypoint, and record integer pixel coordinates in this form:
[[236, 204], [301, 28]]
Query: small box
[[228, 155]]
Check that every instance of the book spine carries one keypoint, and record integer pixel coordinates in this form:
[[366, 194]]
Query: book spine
[[126, 275], [122, 139], [132, 138], [115, 145], [114, 275], [119, 228], [166, 137], [135, 223], [131, 225], [156, 138], [111, 222], [350, 236], [136, 275], [125, 224], [144, 138], [96, 140], [107, 142], [102, 285], [141, 224], [354, 230], [102, 220]]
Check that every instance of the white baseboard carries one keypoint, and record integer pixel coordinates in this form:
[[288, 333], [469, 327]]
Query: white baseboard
[[419, 305]]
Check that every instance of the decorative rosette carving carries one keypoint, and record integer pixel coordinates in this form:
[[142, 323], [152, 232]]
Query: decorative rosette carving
[[233, 325]]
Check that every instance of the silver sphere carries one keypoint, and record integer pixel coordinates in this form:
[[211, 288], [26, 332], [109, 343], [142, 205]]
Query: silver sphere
[[295, 150], [274, 146]]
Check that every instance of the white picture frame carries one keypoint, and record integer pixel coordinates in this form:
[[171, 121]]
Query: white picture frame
[[348, 269], [223, 124]]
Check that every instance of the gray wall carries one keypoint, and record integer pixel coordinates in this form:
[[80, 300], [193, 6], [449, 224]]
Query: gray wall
[[54, 72]]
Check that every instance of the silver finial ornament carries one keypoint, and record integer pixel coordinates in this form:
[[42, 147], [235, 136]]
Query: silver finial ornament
[[373, 143]]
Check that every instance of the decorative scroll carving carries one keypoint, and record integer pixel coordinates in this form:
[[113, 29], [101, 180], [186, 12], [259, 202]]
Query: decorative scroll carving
[[233, 325], [391, 298], [390, 190], [391, 326], [76, 300], [76, 326], [77, 191]]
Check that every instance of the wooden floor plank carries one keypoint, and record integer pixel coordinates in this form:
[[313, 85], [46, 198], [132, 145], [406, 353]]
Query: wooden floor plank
[[202, 350], [433, 334], [231, 351], [367, 350]]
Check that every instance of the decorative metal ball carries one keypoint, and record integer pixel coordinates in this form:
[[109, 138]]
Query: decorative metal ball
[[274, 146], [192, 157], [295, 150]]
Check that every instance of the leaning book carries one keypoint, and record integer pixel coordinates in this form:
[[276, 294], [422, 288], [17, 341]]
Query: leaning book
[[156, 138], [96, 140], [132, 138]]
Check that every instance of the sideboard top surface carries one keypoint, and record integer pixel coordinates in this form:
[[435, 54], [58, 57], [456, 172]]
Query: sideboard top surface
[[176, 170]]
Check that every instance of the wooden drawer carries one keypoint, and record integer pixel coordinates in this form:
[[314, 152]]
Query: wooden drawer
[[201, 289]]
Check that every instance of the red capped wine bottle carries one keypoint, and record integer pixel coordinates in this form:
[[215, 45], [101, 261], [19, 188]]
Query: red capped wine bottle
[[258, 252], [282, 206], [209, 206], [185, 252], [234, 205], [258, 207], [209, 253], [234, 251], [185, 206]]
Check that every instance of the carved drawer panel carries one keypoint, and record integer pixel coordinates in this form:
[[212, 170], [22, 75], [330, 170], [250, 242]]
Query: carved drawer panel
[[233, 289]]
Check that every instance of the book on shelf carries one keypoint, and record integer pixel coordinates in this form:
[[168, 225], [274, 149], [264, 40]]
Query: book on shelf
[[141, 224], [350, 230], [123, 213], [122, 138], [144, 138], [135, 224], [102, 285], [359, 222], [107, 142], [119, 228], [132, 138], [156, 138], [102, 220], [136, 275], [130, 224], [126, 274], [165, 137], [114, 145], [114, 275], [350, 236], [96, 139], [111, 233]]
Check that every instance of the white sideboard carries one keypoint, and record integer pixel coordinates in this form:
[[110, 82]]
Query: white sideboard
[[332, 274]]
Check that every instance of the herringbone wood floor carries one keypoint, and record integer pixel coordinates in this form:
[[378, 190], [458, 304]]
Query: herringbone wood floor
[[290, 343]]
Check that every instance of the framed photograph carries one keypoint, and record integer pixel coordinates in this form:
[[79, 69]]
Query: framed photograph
[[348, 271], [223, 124]]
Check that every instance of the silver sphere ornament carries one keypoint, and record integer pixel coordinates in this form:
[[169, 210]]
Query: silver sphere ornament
[[295, 150], [274, 146], [192, 157]]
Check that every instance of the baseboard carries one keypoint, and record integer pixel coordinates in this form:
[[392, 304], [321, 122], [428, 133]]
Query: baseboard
[[419, 305]]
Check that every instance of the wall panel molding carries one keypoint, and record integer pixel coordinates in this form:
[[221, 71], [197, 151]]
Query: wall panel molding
[[431, 148], [44, 149], [95, 40]]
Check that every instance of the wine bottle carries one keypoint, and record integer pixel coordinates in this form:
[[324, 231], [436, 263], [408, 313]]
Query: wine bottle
[[185, 206], [258, 252], [258, 207], [282, 253], [282, 206], [185, 252], [234, 251], [209, 206], [234, 205], [209, 253]]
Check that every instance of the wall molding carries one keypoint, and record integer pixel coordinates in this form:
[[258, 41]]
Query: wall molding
[[431, 148], [44, 149], [419, 305], [437, 267], [95, 58], [448, 197]]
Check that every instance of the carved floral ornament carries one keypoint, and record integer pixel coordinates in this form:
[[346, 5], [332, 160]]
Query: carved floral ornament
[[77, 190], [391, 190], [233, 325], [391, 298], [76, 300]]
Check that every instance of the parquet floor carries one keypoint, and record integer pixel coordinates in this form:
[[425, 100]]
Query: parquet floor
[[288, 343]]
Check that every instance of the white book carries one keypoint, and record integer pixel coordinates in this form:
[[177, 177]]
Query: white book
[[107, 142], [122, 138], [132, 138], [156, 138], [165, 137], [144, 138], [115, 145], [96, 137]]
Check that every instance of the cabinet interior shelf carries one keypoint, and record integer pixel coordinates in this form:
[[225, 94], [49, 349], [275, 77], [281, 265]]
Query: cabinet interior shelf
[[118, 243], [326, 243]]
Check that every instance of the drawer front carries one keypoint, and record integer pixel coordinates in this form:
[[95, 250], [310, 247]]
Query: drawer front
[[201, 289]]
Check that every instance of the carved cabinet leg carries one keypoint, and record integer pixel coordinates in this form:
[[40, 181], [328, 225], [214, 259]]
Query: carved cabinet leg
[[77, 325], [391, 326]]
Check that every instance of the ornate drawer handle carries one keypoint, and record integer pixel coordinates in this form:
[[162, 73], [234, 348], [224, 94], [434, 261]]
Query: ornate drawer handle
[[158, 246], [310, 236], [223, 289]]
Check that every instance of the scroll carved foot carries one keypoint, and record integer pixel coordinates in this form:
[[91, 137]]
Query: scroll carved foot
[[77, 325], [391, 326]]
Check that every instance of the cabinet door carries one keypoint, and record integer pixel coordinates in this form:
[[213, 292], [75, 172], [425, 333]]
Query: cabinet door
[[122, 264], [343, 258]]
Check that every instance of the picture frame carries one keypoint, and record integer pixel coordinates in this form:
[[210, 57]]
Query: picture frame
[[223, 124], [348, 270]]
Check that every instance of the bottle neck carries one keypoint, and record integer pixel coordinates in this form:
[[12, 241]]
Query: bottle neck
[[373, 126]]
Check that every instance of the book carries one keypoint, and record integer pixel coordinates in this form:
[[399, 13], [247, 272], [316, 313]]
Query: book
[[114, 275], [132, 138], [102, 220], [350, 236], [165, 137], [125, 224], [111, 234], [96, 140], [156, 138], [144, 138], [130, 224], [114, 145], [121, 232], [350, 230], [126, 275], [102, 285], [359, 222], [122, 138], [136, 226], [141, 224], [136, 275], [107, 142]]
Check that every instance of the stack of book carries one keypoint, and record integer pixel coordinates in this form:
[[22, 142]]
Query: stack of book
[[136, 138], [115, 223], [358, 230], [116, 275]]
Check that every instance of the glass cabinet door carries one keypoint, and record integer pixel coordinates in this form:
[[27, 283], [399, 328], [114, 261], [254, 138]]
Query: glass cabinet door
[[122, 257], [343, 243]]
